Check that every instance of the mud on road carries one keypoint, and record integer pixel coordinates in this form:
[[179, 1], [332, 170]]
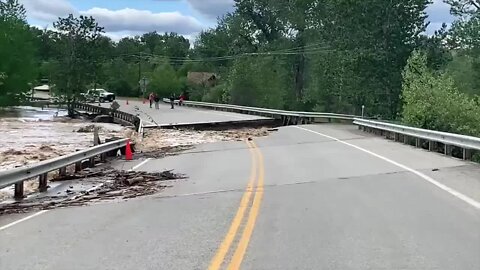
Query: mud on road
[[158, 143], [94, 186]]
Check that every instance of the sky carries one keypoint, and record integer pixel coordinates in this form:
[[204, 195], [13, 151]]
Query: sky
[[123, 18]]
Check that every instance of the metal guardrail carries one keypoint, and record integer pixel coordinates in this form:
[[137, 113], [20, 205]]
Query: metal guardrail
[[447, 139], [41, 169], [116, 114], [287, 117]]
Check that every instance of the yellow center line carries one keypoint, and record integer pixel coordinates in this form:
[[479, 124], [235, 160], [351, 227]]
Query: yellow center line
[[222, 251], [252, 217]]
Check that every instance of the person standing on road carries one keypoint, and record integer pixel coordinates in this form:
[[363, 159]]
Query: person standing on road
[[157, 101], [181, 100], [172, 101], [151, 98]]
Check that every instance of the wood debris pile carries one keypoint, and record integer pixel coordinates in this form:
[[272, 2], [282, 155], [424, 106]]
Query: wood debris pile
[[115, 184]]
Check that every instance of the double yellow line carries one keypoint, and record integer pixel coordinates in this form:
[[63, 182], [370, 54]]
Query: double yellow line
[[256, 189]]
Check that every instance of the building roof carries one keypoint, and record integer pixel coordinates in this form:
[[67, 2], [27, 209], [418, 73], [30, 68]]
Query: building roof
[[201, 77]]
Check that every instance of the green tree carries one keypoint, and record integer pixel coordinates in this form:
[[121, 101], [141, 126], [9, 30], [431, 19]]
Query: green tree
[[370, 43], [76, 38], [164, 81], [121, 77], [464, 7], [249, 87], [465, 42], [432, 101], [17, 53]]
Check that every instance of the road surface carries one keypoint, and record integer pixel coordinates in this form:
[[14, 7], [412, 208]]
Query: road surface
[[307, 197], [180, 115]]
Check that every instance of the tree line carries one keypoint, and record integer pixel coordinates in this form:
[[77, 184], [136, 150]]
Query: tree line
[[318, 55]]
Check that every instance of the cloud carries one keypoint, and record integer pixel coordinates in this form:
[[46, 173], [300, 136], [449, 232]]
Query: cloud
[[209, 8], [212, 8], [47, 10], [144, 21], [127, 20]]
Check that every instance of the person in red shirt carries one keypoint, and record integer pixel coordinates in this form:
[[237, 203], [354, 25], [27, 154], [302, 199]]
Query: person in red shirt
[[181, 100]]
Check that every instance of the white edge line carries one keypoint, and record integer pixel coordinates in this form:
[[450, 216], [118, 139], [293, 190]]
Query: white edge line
[[44, 211], [140, 165], [453, 192], [22, 220]]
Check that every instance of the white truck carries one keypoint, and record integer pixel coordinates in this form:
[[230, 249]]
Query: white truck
[[100, 95]]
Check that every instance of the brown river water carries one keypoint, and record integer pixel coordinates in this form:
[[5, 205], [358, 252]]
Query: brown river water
[[30, 134]]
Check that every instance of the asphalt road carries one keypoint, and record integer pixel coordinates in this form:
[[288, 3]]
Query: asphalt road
[[180, 115], [334, 198]]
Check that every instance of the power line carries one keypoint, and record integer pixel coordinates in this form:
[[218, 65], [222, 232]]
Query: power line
[[311, 49]]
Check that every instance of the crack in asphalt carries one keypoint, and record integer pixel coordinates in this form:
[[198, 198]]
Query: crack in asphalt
[[270, 186], [260, 146]]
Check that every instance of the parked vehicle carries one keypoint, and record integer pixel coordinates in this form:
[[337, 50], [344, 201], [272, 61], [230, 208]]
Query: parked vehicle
[[100, 95]]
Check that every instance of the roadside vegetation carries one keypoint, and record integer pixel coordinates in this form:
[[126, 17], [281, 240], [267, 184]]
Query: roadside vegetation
[[328, 55]]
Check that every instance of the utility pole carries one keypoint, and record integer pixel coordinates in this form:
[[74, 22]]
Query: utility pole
[[139, 71]]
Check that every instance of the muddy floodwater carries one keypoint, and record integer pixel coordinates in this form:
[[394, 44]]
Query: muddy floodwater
[[30, 134]]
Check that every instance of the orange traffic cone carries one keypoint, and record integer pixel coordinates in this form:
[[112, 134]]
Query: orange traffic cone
[[128, 151]]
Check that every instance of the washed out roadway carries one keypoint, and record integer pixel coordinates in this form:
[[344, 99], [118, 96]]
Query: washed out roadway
[[180, 115], [323, 205]]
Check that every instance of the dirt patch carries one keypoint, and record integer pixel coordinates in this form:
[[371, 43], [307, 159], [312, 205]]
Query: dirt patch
[[110, 184]]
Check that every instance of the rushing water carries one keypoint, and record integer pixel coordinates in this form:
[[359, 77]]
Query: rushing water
[[26, 113], [30, 134]]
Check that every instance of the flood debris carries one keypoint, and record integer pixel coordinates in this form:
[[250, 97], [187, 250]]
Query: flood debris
[[86, 129], [161, 138], [94, 186], [160, 143]]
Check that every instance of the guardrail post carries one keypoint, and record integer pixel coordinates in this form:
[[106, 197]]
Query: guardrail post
[[91, 162], [448, 150], [103, 157], [18, 193], [431, 145], [42, 184], [417, 142], [405, 139], [63, 171], [78, 166], [467, 154]]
